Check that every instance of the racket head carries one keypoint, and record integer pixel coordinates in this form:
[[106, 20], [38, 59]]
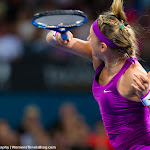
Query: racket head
[[59, 20]]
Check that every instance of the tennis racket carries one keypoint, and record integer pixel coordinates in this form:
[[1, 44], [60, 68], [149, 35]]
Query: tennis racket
[[60, 20]]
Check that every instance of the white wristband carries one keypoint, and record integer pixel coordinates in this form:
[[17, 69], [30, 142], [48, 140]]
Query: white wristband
[[146, 99], [54, 35]]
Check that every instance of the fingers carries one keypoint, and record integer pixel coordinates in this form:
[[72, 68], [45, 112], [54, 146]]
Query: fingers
[[148, 75], [144, 78], [70, 35], [136, 87], [142, 82], [139, 82], [61, 41], [50, 36]]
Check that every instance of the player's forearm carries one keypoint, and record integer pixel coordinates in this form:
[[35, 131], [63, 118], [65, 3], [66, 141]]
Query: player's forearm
[[75, 46]]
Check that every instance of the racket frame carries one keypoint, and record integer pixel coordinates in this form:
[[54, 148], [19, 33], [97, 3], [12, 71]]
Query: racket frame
[[59, 28]]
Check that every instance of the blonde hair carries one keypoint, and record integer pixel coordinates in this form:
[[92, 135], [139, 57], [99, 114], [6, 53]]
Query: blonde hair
[[110, 22]]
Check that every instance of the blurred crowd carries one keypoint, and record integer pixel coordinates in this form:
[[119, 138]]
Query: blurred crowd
[[23, 48], [69, 132], [20, 39], [24, 51]]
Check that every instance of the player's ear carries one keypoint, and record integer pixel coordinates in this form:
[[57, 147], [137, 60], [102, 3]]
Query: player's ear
[[103, 47]]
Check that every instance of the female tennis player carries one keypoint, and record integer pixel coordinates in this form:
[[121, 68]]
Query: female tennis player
[[121, 85]]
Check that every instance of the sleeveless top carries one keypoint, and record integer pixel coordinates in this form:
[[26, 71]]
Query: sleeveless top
[[126, 122]]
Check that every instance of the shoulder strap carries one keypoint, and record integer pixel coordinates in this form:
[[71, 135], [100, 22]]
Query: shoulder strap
[[126, 65], [99, 69]]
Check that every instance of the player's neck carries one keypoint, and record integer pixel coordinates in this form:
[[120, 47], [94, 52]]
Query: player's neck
[[115, 62]]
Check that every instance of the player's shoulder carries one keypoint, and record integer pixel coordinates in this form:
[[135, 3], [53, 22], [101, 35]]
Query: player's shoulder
[[128, 77], [135, 68]]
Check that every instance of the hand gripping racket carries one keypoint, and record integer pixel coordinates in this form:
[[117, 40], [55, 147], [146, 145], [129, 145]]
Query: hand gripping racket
[[60, 20]]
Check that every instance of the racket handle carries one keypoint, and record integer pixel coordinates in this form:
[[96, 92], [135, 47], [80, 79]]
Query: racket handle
[[65, 36]]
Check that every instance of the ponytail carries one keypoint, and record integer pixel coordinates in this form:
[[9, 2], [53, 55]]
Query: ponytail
[[113, 24], [117, 10]]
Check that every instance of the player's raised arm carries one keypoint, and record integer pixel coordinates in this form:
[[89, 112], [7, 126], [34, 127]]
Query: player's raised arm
[[63, 21], [73, 45]]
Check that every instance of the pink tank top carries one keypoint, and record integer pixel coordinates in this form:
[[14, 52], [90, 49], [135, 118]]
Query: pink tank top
[[126, 122]]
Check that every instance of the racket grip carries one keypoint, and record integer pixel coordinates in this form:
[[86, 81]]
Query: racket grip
[[65, 36]]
